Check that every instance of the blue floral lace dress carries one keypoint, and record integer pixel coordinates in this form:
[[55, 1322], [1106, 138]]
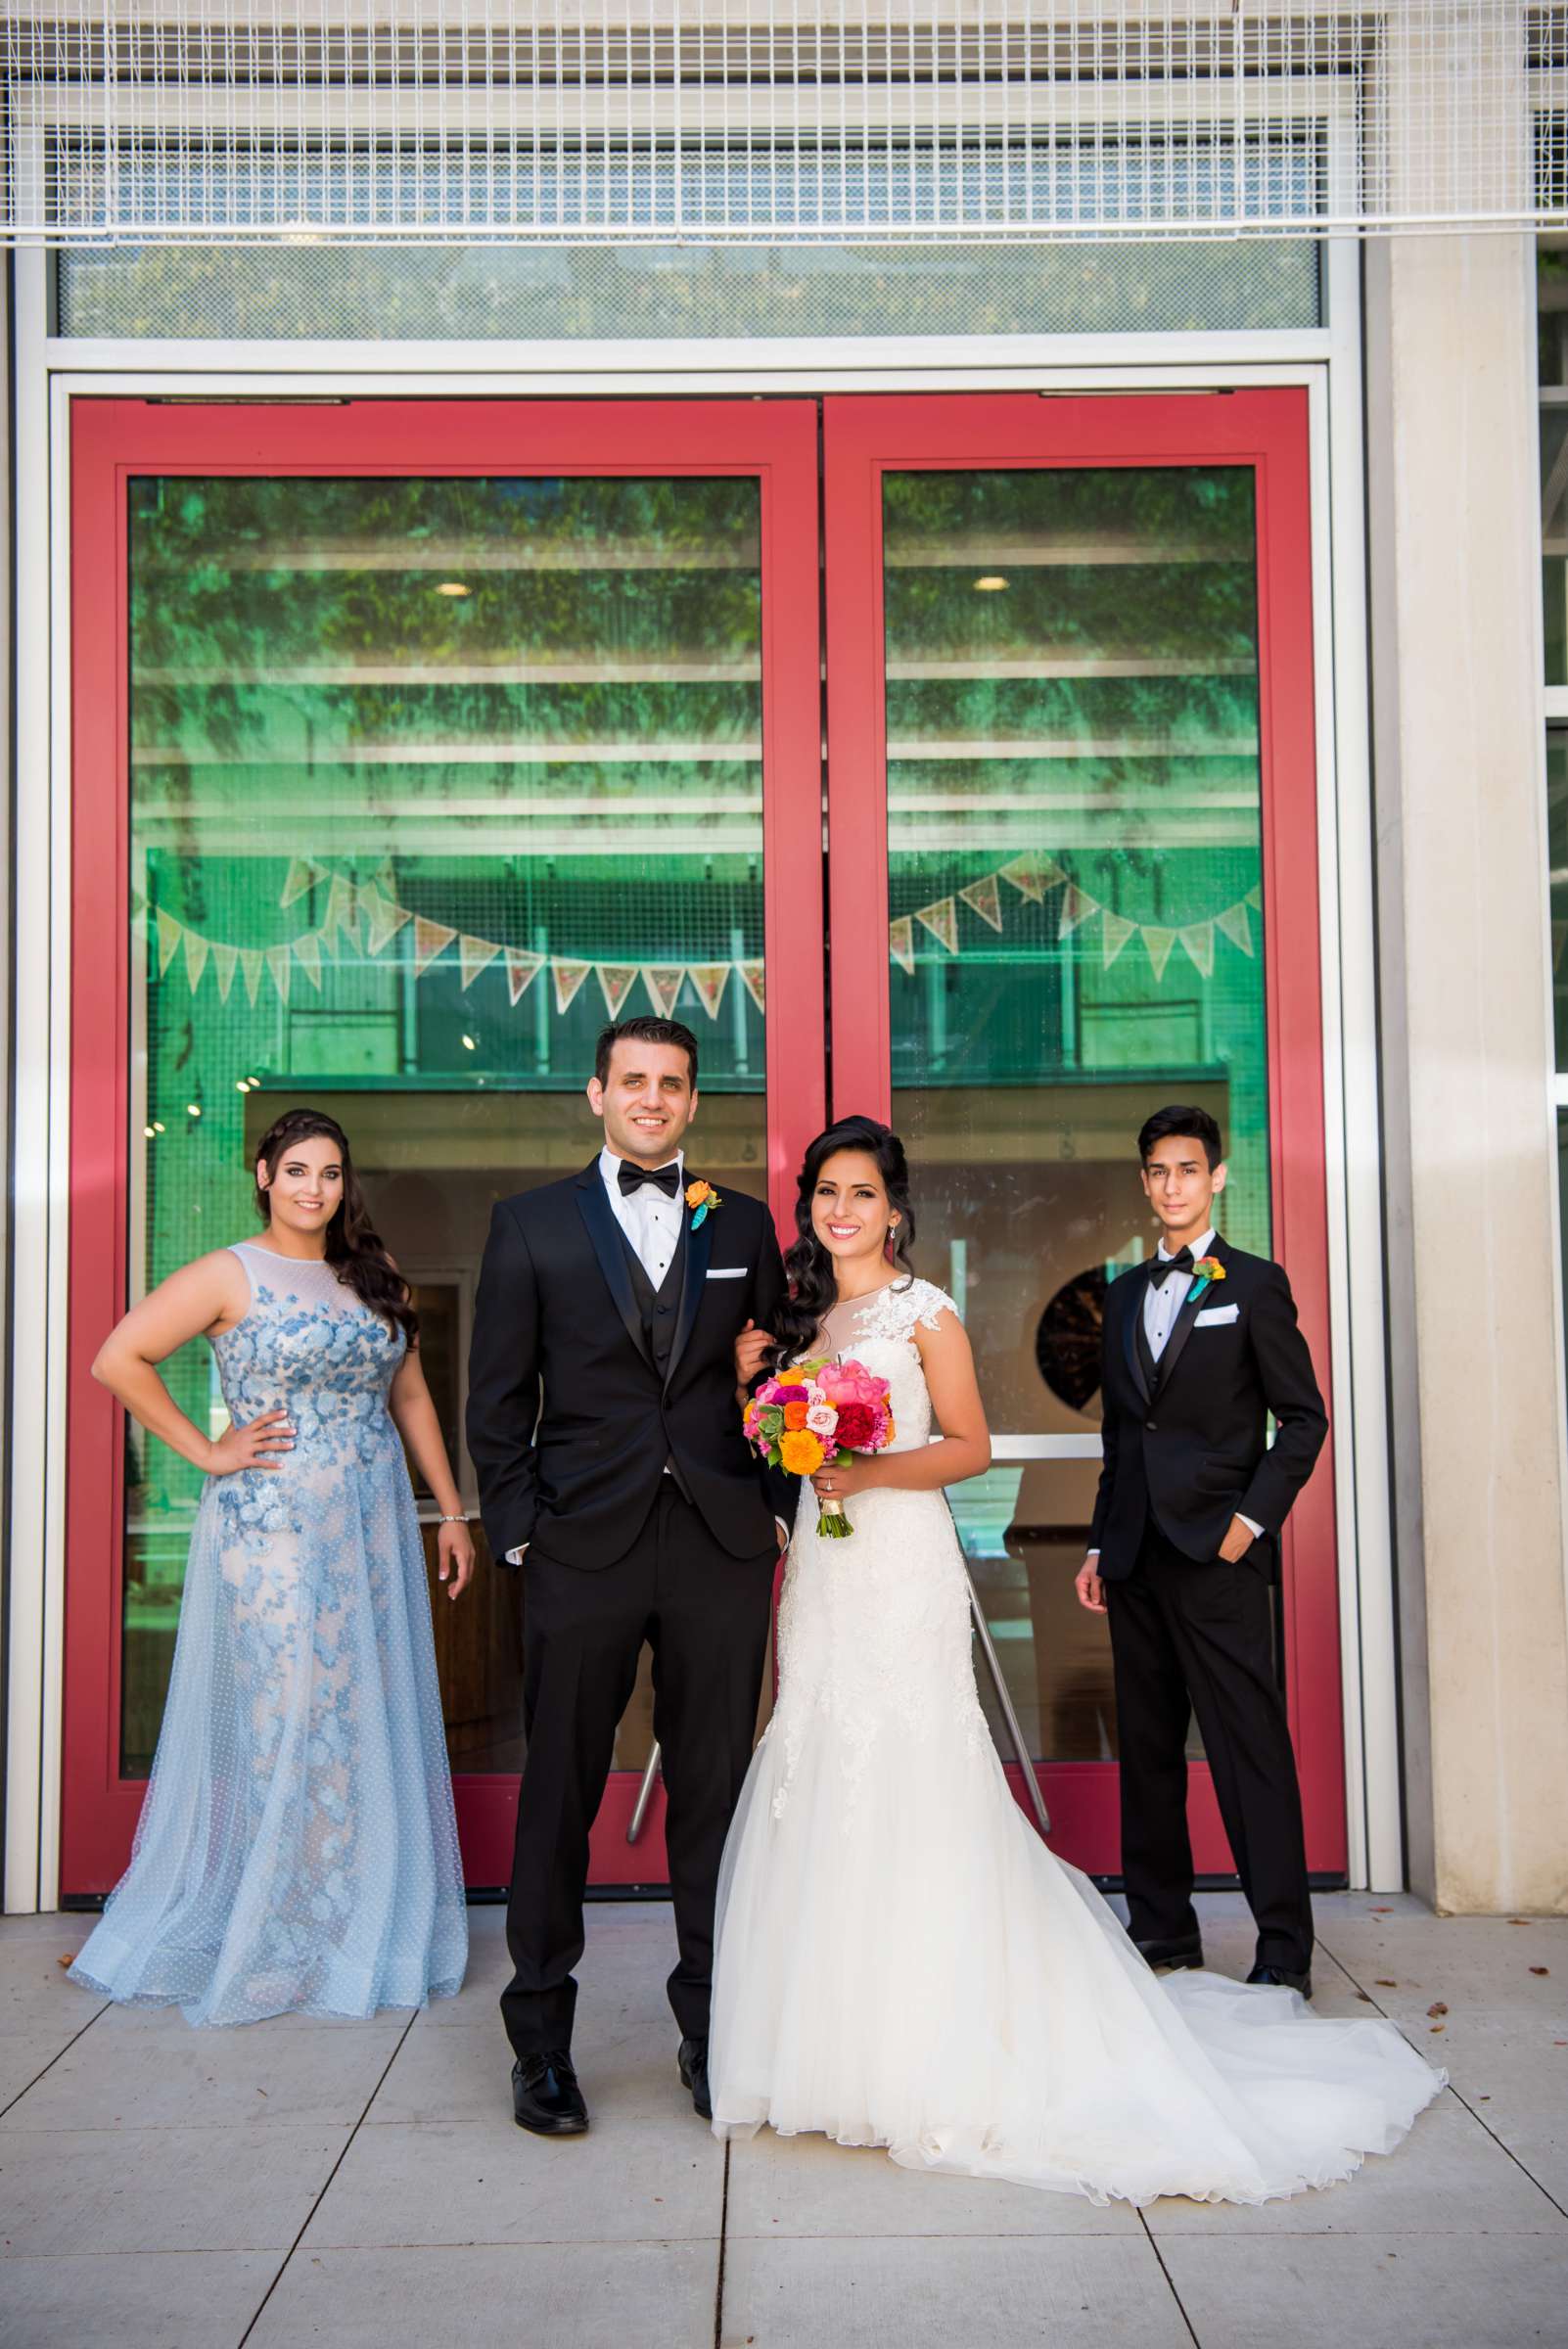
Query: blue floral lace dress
[[298, 1846]]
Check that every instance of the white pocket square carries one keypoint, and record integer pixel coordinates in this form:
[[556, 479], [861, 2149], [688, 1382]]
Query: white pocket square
[[1213, 1315], [727, 1271]]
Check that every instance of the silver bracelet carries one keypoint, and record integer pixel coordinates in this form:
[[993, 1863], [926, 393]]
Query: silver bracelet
[[463, 1520]]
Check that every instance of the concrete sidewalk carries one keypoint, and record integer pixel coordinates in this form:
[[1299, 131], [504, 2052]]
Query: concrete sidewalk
[[364, 2185]]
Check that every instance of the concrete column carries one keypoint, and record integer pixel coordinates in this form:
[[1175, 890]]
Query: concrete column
[[1476, 1338]]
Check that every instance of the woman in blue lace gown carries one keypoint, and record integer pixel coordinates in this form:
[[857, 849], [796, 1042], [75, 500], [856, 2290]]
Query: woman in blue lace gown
[[298, 1847]]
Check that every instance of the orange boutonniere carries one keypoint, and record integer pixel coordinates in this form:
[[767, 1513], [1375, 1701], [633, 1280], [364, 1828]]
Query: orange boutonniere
[[700, 1198], [1207, 1268]]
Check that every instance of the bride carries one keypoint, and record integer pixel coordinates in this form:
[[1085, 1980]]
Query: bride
[[900, 1961]]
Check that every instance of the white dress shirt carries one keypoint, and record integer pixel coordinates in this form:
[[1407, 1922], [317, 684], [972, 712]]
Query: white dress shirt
[[1161, 1305], [650, 1220]]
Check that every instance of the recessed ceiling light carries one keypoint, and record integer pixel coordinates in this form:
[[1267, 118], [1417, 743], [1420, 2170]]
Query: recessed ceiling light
[[193, 1109], [469, 1044], [992, 581], [149, 1131], [452, 587], [242, 1084]]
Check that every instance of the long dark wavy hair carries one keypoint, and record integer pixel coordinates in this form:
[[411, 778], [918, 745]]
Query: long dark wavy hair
[[355, 1250], [808, 1265]]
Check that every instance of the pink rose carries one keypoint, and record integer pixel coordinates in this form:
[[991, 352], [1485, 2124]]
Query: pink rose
[[821, 1419]]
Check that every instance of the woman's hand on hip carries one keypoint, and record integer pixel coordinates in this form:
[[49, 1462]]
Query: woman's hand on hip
[[256, 1445]]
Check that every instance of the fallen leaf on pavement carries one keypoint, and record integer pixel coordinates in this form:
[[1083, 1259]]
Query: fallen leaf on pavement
[[69, 1960], [1436, 2008], [1541, 1969], [1383, 1982]]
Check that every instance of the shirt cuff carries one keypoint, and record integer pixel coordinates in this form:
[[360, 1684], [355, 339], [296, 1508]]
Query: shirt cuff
[[1090, 1554], [514, 1557], [783, 1531], [1252, 1526]]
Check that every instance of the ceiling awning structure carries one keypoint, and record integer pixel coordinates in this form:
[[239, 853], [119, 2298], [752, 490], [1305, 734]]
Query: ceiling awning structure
[[555, 122]]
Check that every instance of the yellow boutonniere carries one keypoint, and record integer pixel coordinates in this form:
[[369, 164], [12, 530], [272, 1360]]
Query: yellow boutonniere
[[699, 1197], [1207, 1268]]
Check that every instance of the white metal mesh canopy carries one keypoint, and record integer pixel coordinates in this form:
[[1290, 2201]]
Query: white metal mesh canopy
[[559, 122]]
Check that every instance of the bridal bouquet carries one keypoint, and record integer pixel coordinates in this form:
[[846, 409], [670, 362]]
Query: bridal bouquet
[[815, 1415]]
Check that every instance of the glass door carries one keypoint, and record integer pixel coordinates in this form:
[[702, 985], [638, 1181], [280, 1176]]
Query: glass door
[[1071, 750], [411, 743]]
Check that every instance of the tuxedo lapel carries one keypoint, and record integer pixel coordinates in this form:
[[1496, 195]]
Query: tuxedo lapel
[[1131, 1321], [1182, 1327], [698, 1241], [605, 1233]]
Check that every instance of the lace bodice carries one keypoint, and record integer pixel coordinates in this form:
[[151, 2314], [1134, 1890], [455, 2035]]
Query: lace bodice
[[878, 1331], [309, 1346]]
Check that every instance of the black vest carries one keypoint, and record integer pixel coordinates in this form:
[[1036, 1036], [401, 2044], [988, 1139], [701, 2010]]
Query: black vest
[[657, 1309]]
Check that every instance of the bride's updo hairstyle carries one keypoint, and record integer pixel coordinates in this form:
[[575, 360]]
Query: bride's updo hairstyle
[[813, 1290], [355, 1250]]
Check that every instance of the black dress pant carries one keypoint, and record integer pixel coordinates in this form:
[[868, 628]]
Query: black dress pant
[[1190, 1637], [705, 1616]]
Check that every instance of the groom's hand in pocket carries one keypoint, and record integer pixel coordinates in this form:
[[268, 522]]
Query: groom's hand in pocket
[[1238, 1540], [750, 1349], [1089, 1586]]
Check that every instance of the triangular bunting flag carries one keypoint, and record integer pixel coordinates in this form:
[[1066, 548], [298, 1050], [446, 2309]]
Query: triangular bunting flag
[[568, 977], [304, 872], [1159, 944], [941, 920], [1237, 926], [308, 951], [169, 934], [250, 964], [342, 913], [901, 944], [197, 951], [1033, 876], [1254, 896], [985, 898], [663, 982], [617, 981], [1197, 940], [225, 959], [1076, 909], [755, 983], [383, 919], [280, 964], [521, 970], [710, 978], [475, 954], [1115, 931], [430, 940]]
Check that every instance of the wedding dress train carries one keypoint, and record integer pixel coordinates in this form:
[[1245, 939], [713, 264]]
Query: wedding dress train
[[900, 1960]]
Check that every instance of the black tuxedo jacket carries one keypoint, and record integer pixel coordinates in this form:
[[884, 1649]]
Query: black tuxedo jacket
[[1189, 1447], [577, 1470]]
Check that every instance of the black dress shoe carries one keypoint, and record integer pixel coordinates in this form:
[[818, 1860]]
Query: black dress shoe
[[1181, 1957], [693, 2060], [1282, 1975], [545, 2096]]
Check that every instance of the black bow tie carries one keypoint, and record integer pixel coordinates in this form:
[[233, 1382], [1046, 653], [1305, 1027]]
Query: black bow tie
[[1160, 1265], [663, 1178]]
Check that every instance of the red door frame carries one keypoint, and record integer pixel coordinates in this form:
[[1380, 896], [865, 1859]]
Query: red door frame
[[112, 441], [1266, 430]]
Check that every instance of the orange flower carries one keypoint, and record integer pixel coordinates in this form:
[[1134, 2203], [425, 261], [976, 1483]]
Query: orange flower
[[795, 1414], [800, 1451], [702, 1194], [1209, 1267]]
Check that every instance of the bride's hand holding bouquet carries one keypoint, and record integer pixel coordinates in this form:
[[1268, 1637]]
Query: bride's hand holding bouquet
[[825, 1421]]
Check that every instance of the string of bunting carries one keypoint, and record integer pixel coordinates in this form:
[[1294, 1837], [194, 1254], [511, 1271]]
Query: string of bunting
[[361, 912], [1037, 878]]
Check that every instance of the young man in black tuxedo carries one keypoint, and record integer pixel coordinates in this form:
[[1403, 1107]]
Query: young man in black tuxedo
[[628, 1496], [1199, 1345]]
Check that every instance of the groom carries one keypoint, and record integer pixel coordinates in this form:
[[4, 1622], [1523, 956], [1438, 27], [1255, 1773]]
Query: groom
[[628, 1495], [1200, 1344]]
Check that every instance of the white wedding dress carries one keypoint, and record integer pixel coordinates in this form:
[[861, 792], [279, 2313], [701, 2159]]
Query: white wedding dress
[[901, 1962]]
